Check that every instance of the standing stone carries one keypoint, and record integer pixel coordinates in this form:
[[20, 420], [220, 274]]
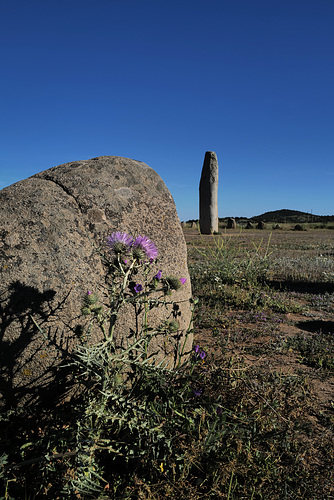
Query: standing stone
[[208, 194], [231, 223]]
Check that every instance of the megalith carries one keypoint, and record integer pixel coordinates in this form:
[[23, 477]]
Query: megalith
[[231, 223], [52, 227], [208, 194]]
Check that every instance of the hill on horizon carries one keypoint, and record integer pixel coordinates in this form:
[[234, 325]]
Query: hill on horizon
[[283, 216], [292, 216]]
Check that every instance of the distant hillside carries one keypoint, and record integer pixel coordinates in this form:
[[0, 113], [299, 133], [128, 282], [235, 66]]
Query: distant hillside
[[280, 217], [292, 216]]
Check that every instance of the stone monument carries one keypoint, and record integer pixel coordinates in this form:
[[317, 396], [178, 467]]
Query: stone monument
[[208, 194], [231, 223]]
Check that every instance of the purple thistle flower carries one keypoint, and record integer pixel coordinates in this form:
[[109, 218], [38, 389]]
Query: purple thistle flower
[[197, 392], [202, 354], [183, 280], [196, 348], [144, 244], [158, 275], [138, 288], [119, 242]]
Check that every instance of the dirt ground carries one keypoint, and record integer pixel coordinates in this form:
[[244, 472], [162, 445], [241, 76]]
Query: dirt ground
[[311, 322]]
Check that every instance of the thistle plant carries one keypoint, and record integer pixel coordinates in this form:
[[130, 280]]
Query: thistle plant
[[216, 425], [130, 281], [115, 416]]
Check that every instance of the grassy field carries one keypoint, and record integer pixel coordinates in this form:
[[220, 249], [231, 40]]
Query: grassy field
[[252, 415], [266, 318]]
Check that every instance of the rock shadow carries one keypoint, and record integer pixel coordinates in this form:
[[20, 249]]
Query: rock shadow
[[317, 326], [26, 336], [303, 287]]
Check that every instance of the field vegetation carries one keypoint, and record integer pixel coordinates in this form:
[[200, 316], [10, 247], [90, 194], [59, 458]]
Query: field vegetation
[[249, 416]]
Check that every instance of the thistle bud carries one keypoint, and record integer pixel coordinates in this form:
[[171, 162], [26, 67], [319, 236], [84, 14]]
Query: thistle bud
[[97, 309], [85, 311], [172, 282], [90, 299], [88, 303], [172, 326], [138, 254]]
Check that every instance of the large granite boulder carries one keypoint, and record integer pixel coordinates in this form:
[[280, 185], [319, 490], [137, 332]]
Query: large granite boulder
[[51, 225]]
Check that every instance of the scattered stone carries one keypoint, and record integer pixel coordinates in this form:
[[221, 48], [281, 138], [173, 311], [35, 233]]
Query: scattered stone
[[298, 227], [208, 194], [231, 223]]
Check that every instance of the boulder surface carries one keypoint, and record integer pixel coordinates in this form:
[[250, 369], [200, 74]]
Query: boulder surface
[[51, 225]]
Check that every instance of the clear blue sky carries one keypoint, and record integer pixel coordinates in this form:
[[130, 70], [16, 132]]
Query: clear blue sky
[[165, 81]]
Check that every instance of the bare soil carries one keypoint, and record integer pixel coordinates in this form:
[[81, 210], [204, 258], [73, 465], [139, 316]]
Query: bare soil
[[310, 322]]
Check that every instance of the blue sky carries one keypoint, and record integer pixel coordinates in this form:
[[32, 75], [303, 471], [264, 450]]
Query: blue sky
[[165, 81]]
